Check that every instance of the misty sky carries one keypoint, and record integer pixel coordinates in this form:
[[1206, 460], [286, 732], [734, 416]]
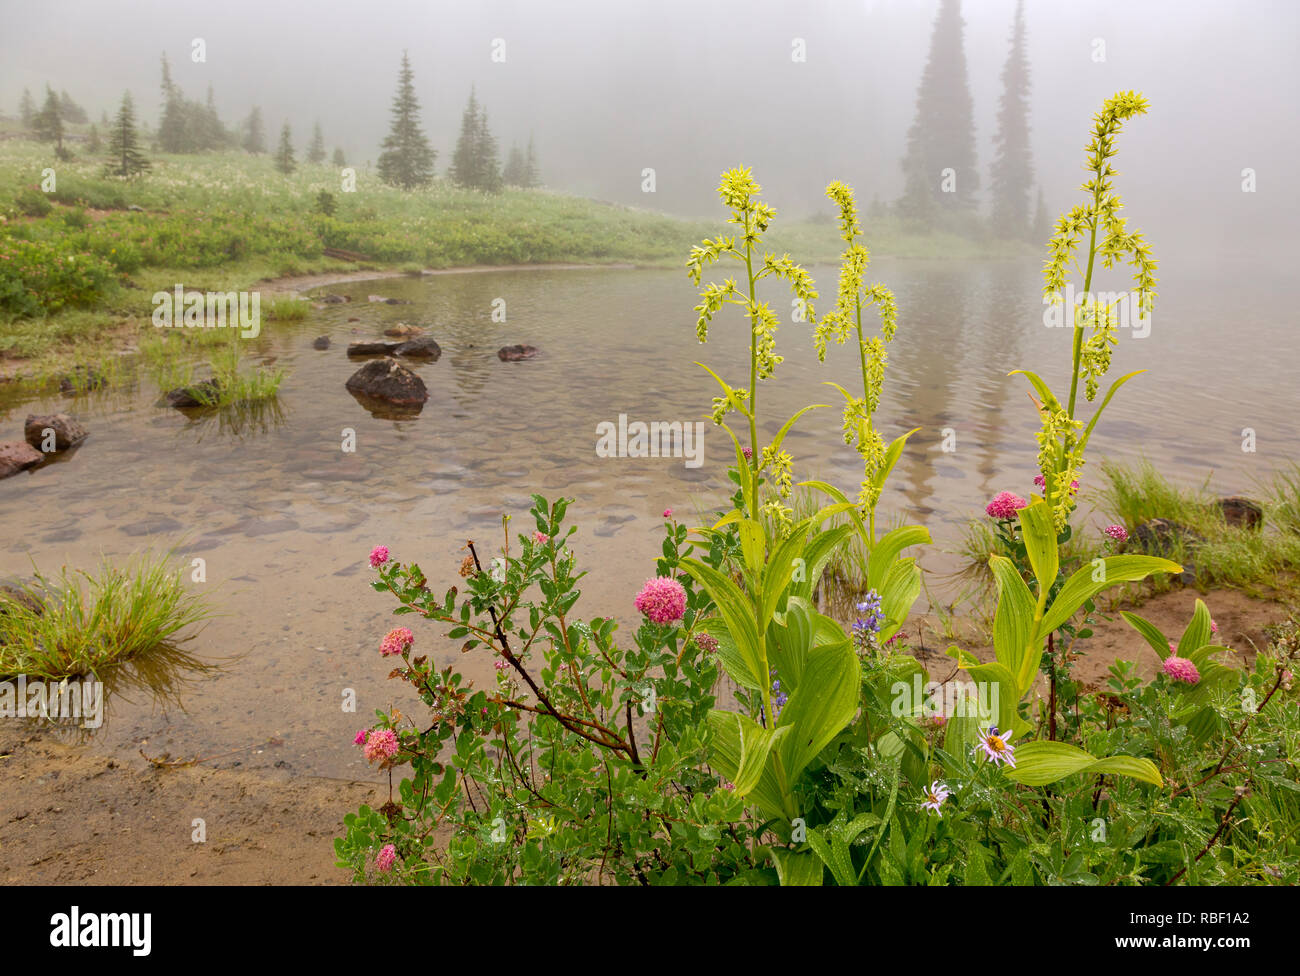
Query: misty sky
[[691, 87]]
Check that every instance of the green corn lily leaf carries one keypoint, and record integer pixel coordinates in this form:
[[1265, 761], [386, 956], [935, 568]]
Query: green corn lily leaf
[[1083, 585], [1043, 763]]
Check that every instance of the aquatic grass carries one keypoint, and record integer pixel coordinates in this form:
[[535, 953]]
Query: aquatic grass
[[90, 624], [284, 309]]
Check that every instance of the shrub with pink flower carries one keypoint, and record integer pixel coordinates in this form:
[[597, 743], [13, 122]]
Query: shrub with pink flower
[[380, 744], [378, 556], [360, 740], [1005, 505], [1181, 669], [1117, 532], [668, 513], [662, 599], [386, 857], [541, 538], [396, 641]]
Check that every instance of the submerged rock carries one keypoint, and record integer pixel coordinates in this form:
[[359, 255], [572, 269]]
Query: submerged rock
[[335, 299], [424, 348], [1241, 513], [376, 347], [18, 456], [321, 342], [403, 329], [388, 380], [515, 353], [67, 432], [381, 300], [194, 395]]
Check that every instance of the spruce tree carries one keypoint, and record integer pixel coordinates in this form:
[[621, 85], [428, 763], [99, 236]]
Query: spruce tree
[[316, 151], [27, 109], [92, 139], [72, 112], [516, 171], [339, 158], [172, 137], [463, 161], [125, 157], [48, 123], [407, 159], [487, 160], [1013, 170], [942, 136], [254, 135], [284, 161], [532, 175]]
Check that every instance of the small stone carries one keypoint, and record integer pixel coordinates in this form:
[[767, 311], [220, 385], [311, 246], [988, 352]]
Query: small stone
[[18, 456], [1241, 513], [67, 432], [516, 353], [321, 342]]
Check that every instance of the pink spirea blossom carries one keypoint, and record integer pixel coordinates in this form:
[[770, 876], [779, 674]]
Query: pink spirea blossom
[[662, 599], [668, 513], [1214, 628], [501, 665], [396, 641], [1117, 532], [1181, 669], [385, 858], [748, 452], [706, 643], [360, 740], [1005, 505], [380, 744], [378, 556], [541, 538]]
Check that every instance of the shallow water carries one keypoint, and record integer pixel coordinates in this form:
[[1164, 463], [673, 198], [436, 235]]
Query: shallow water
[[285, 519]]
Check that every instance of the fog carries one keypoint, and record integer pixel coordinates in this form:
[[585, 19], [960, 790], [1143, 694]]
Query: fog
[[691, 87]]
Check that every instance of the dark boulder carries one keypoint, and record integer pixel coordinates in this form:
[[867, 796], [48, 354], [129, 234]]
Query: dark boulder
[[18, 456], [422, 348], [378, 347], [195, 395], [321, 342], [1241, 513], [389, 381], [67, 432], [515, 353], [12, 593], [1159, 536]]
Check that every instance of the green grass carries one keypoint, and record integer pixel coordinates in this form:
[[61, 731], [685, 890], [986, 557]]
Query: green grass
[[92, 624]]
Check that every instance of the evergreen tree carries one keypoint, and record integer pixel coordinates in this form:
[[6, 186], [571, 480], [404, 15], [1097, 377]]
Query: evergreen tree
[[254, 135], [1013, 170], [212, 132], [407, 159], [171, 127], [316, 151], [463, 160], [125, 157], [339, 158], [27, 109], [284, 161], [487, 159], [92, 140], [72, 112], [516, 171], [532, 175], [48, 123], [942, 135]]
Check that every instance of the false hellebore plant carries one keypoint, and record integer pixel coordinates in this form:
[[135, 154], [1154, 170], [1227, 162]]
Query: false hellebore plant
[[1025, 621]]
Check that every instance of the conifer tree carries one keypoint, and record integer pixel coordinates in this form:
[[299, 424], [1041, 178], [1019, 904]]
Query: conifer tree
[[463, 160], [284, 160], [487, 159], [532, 175], [72, 112], [339, 158], [407, 158], [27, 109], [92, 139], [1013, 171], [125, 157], [316, 150], [48, 123], [942, 136], [515, 172], [254, 134], [171, 126]]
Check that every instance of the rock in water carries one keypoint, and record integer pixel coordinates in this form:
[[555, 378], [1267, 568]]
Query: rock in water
[[402, 329], [67, 432], [388, 380], [423, 348], [513, 354], [379, 347], [81, 379], [195, 395], [1241, 513], [321, 342], [18, 456]]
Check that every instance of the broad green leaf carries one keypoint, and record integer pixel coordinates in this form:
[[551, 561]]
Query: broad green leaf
[[1149, 631], [741, 751], [735, 612], [901, 587], [851, 508], [822, 705], [1039, 533], [753, 541], [1197, 634], [1013, 625], [1036, 381], [785, 428], [1042, 763], [737, 665], [776, 576], [817, 553], [834, 856], [797, 868], [790, 636], [1081, 587], [887, 549]]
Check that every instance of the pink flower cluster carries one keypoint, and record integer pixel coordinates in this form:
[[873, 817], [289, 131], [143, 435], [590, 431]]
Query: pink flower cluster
[[377, 743], [662, 599], [1117, 532], [1005, 505], [396, 641], [541, 538], [378, 556], [385, 858], [1181, 669]]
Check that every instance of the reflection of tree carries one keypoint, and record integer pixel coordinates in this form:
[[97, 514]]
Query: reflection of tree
[[1012, 297]]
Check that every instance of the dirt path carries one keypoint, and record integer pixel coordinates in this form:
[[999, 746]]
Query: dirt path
[[70, 817]]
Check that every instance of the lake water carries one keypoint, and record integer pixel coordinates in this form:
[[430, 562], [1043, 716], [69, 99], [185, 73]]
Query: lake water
[[285, 519]]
